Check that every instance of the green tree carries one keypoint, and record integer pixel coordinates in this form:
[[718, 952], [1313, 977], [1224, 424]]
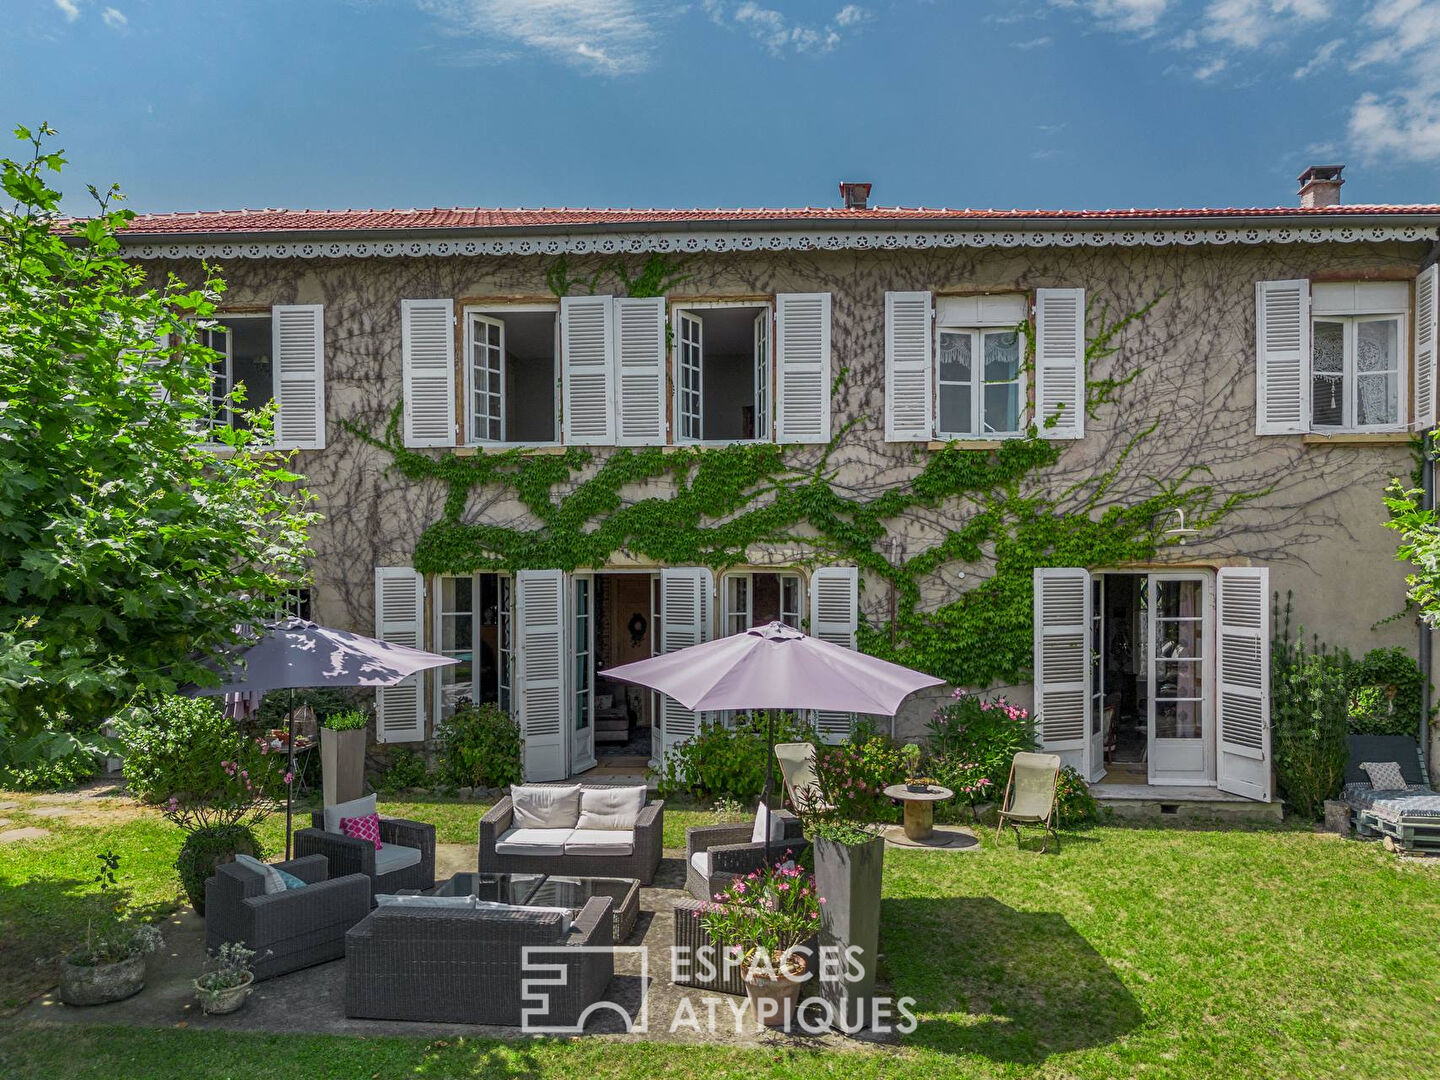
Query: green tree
[[129, 547], [1419, 530]]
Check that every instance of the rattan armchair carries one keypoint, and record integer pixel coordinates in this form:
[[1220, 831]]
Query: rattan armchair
[[348, 855]]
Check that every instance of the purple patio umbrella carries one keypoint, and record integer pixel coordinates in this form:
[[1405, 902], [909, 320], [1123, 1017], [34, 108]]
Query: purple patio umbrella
[[776, 667], [297, 655]]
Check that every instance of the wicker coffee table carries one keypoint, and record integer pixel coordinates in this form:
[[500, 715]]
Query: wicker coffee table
[[547, 890]]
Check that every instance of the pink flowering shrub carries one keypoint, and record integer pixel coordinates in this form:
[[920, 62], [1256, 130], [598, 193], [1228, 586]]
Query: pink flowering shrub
[[761, 918], [972, 741], [853, 775]]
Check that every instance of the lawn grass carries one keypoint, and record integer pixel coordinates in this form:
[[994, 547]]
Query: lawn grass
[[1136, 951]]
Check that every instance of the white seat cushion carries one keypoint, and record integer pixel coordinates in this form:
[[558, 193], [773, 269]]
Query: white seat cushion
[[394, 857], [536, 806], [610, 807], [764, 817], [601, 842], [466, 903], [701, 862], [362, 807], [533, 841]]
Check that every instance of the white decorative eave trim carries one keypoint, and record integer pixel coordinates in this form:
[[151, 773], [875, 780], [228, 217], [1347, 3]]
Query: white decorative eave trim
[[639, 243]]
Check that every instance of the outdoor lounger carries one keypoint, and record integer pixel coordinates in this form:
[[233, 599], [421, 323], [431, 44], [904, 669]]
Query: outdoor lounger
[[1409, 816]]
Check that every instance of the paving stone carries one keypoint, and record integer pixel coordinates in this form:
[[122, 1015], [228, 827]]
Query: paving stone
[[10, 836], [54, 811]]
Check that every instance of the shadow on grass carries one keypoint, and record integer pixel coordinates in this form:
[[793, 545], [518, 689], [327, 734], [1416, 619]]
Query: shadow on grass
[[1026, 984]]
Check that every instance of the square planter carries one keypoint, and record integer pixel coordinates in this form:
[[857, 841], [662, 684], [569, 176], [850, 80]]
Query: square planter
[[342, 764], [850, 878]]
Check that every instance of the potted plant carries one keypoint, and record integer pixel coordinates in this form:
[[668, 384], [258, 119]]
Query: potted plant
[[110, 966], [342, 756], [762, 920], [913, 760], [225, 983]]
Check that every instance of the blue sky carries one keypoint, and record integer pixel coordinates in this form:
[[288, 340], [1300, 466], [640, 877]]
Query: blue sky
[[1031, 103]]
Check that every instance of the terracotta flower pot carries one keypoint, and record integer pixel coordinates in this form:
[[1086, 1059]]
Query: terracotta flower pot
[[780, 988], [97, 984]]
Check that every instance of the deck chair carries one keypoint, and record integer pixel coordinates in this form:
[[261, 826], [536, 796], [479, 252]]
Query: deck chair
[[1030, 796], [797, 767]]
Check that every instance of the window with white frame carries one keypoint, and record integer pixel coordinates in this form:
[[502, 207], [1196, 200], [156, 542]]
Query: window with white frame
[[754, 598], [722, 372], [1358, 356], [242, 372], [980, 386], [511, 373], [472, 625]]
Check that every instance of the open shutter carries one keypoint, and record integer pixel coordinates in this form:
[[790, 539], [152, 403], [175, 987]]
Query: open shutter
[[685, 606], [399, 619], [1282, 357], [1426, 332], [909, 360], [588, 366], [802, 354], [298, 348], [640, 366], [427, 335], [1060, 362], [1062, 661], [1242, 613], [540, 649], [834, 617]]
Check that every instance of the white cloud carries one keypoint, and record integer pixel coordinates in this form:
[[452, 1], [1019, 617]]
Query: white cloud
[[1402, 28], [778, 34], [1034, 43], [1321, 59], [601, 37], [114, 18], [850, 15], [68, 9], [1128, 16], [1248, 24], [1208, 70], [1404, 123], [1404, 126]]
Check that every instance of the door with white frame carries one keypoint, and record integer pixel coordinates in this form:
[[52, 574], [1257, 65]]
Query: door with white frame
[[1179, 635], [582, 667]]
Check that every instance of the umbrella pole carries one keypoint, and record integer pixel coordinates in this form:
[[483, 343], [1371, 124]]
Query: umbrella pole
[[769, 775], [289, 766]]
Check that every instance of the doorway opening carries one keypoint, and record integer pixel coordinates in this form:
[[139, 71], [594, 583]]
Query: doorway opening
[[624, 631]]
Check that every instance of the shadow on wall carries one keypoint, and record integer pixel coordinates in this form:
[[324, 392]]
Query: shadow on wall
[[1025, 984]]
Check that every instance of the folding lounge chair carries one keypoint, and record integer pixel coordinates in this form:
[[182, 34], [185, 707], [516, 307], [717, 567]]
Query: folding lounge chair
[[797, 767], [1408, 816], [1030, 796]]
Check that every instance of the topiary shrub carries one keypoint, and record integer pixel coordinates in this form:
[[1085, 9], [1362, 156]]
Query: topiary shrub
[[1386, 693], [730, 761], [480, 746], [206, 848]]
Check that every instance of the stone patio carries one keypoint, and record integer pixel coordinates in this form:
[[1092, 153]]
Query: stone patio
[[313, 1000]]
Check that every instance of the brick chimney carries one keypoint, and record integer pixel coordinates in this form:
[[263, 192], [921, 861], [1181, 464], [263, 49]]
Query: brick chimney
[[855, 195], [1320, 186]]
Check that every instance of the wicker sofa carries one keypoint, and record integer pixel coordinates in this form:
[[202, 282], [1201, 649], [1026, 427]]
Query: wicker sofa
[[349, 855], [287, 930], [465, 966], [637, 857], [717, 854]]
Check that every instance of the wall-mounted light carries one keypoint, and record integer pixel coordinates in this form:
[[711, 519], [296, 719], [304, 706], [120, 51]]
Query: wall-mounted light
[[1181, 531]]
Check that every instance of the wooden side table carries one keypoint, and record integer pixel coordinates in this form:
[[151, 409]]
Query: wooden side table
[[919, 809]]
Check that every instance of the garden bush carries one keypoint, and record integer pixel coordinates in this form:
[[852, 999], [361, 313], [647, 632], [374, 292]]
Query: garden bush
[[1386, 693], [725, 761], [1074, 805], [175, 747], [406, 769], [480, 746], [972, 741], [1309, 719], [60, 756], [853, 774]]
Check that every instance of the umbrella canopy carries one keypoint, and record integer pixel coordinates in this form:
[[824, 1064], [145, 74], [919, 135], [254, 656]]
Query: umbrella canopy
[[294, 655], [776, 667]]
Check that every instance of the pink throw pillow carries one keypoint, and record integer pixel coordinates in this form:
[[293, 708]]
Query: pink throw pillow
[[363, 828]]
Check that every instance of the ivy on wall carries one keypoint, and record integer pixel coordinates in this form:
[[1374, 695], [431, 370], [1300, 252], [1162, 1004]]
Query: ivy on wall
[[713, 505]]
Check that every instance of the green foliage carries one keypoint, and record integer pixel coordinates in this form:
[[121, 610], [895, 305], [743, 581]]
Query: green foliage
[[1386, 693], [1074, 805], [853, 775], [128, 550], [349, 720], [206, 848], [406, 769], [1419, 530], [972, 741], [730, 761], [1309, 717], [225, 968], [713, 505], [59, 756], [480, 746], [323, 702], [763, 916]]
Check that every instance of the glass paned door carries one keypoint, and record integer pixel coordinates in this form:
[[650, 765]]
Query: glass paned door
[[1178, 677], [1098, 721], [582, 744], [762, 377], [690, 350], [456, 617], [504, 620]]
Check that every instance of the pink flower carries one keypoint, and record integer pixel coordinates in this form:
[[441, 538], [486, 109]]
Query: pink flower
[[289, 777]]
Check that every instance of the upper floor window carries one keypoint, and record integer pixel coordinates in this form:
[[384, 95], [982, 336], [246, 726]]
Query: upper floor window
[[243, 345], [511, 373], [722, 373], [980, 367]]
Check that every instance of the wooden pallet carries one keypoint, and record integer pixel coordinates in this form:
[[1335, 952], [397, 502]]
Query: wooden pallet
[[1408, 834]]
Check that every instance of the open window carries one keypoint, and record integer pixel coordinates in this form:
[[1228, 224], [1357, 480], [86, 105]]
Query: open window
[[511, 374], [472, 625], [755, 598], [243, 345], [722, 373]]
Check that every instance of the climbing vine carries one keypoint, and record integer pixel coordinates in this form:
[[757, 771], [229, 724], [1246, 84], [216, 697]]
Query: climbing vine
[[714, 506]]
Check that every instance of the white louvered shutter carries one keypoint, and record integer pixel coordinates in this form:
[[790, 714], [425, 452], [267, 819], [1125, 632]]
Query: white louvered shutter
[[1060, 362], [1427, 330], [1242, 615], [835, 617], [588, 366], [427, 335], [1282, 357], [540, 676], [909, 361], [802, 355], [298, 334], [1062, 660], [399, 619], [685, 606], [640, 367]]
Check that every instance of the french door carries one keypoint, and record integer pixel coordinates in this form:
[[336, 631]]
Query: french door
[[582, 664], [1179, 637]]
